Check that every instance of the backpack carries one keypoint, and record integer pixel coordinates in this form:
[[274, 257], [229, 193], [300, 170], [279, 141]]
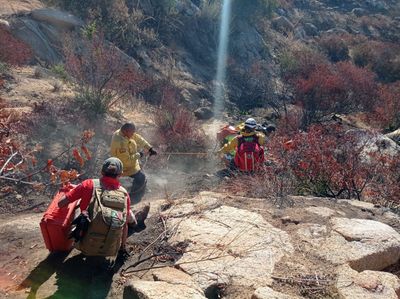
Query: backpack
[[249, 154], [107, 212]]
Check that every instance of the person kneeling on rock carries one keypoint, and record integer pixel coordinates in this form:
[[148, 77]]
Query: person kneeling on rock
[[102, 227]]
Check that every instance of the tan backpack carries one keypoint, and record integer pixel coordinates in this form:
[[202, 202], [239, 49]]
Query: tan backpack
[[107, 212]]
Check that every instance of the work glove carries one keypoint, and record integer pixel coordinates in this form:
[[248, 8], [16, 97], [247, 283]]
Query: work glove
[[81, 226], [152, 152], [141, 154]]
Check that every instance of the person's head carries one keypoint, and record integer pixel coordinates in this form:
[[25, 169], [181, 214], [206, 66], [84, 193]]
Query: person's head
[[128, 129], [112, 167], [250, 125]]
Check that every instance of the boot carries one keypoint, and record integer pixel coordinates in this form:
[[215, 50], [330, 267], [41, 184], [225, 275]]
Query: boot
[[140, 217]]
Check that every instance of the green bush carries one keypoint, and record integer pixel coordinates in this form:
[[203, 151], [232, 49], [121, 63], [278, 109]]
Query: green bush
[[59, 71]]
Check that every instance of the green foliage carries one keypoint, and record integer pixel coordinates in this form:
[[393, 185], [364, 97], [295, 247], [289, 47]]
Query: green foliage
[[253, 9], [93, 103], [89, 30], [59, 71], [287, 62]]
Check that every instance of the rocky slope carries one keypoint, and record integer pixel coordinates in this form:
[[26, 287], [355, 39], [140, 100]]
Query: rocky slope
[[215, 245]]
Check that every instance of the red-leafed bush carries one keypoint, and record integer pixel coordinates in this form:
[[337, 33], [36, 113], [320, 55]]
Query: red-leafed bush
[[340, 88], [177, 127], [387, 110], [300, 62], [12, 50], [381, 57], [103, 75], [326, 161], [19, 165]]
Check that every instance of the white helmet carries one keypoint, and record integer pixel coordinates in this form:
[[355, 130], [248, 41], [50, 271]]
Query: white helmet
[[250, 123]]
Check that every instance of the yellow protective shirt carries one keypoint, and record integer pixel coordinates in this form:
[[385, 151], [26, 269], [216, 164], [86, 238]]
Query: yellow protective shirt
[[232, 145], [127, 150]]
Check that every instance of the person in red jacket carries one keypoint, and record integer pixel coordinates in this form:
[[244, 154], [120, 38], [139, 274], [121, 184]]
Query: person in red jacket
[[111, 170]]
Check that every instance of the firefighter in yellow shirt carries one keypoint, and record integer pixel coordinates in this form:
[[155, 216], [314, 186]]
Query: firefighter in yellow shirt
[[127, 145]]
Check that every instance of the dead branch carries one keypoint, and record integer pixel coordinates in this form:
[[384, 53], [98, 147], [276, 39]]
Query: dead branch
[[7, 162]]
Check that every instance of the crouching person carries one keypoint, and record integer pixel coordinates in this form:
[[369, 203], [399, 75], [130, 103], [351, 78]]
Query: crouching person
[[102, 227]]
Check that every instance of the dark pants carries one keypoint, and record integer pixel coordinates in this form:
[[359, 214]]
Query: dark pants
[[138, 187]]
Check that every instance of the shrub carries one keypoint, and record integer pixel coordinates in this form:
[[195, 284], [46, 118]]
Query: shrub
[[125, 27], [328, 161], [251, 88], [299, 61], [387, 109], [340, 88], [12, 50], [59, 71], [382, 58], [102, 74], [177, 127], [335, 47]]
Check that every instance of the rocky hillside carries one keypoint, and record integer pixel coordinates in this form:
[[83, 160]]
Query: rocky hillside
[[159, 37], [322, 220]]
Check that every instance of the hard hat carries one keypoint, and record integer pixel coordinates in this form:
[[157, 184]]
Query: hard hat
[[250, 123], [112, 166]]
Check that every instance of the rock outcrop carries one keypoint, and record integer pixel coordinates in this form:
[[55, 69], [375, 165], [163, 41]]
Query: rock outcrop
[[363, 244], [43, 30], [228, 245], [367, 284]]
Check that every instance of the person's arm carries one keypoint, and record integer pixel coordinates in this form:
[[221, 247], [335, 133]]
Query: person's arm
[[261, 139], [141, 142], [82, 191], [113, 147], [71, 196], [230, 146]]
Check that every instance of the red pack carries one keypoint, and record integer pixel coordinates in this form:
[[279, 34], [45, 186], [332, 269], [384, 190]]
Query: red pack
[[249, 154], [56, 223]]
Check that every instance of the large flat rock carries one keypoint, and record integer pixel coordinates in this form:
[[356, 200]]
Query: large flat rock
[[159, 289], [363, 244], [175, 276], [228, 245]]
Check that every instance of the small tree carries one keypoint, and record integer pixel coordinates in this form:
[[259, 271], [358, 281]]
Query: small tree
[[102, 73]]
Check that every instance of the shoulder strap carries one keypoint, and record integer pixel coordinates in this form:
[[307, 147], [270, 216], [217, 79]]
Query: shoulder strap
[[240, 140], [255, 138]]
